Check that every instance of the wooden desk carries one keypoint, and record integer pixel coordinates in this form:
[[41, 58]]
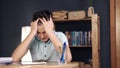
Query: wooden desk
[[48, 65]]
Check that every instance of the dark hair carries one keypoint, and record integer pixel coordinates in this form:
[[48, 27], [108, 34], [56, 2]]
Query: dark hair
[[41, 14]]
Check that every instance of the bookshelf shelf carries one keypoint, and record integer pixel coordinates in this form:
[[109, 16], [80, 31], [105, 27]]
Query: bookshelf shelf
[[61, 20], [87, 24], [81, 46]]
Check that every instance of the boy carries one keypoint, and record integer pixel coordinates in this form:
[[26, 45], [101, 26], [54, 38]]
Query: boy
[[44, 43]]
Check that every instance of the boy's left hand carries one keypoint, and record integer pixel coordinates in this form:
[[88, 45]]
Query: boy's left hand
[[48, 24]]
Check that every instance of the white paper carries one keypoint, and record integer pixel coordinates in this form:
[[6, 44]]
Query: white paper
[[30, 63]]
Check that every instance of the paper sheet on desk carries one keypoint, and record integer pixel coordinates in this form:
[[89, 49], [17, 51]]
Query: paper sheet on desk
[[32, 63], [5, 60]]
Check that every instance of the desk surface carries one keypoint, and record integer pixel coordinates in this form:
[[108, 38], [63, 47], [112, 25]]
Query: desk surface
[[47, 65]]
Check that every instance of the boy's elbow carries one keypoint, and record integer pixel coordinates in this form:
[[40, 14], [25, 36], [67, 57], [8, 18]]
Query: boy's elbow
[[69, 59], [15, 59]]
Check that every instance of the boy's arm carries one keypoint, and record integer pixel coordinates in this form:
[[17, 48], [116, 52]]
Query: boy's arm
[[22, 48], [68, 54]]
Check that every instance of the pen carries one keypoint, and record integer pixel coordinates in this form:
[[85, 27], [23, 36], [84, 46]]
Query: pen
[[62, 59]]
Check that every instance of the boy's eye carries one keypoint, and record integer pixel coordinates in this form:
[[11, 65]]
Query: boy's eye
[[41, 32]]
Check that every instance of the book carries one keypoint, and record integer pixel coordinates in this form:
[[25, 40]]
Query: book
[[6, 60]]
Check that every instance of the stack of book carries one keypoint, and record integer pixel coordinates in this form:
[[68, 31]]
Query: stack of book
[[60, 14]]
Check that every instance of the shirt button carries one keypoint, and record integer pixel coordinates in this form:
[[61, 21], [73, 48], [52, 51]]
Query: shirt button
[[44, 55]]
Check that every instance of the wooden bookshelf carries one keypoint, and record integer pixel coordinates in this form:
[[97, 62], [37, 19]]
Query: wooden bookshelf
[[95, 30]]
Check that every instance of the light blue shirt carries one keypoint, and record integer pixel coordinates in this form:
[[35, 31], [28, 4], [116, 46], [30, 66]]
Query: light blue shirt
[[45, 50]]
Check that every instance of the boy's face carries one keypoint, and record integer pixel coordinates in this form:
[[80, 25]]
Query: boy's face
[[41, 33]]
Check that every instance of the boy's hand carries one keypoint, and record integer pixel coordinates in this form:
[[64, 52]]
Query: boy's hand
[[34, 26], [48, 24]]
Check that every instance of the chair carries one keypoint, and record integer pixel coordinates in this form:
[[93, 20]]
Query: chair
[[24, 32]]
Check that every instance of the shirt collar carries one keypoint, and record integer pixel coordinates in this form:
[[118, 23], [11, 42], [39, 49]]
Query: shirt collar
[[37, 38]]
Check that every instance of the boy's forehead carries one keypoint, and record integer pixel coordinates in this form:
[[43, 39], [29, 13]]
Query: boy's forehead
[[40, 28]]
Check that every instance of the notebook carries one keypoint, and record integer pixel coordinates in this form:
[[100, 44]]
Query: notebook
[[32, 63]]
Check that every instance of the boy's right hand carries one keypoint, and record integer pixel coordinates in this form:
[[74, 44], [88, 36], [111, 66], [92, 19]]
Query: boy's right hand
[[34, 26]]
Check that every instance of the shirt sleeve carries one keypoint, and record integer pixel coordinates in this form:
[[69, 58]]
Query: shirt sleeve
[[31, 43], [62, 37]]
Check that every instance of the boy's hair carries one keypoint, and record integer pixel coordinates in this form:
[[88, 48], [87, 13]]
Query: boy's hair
[[41, 14]]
